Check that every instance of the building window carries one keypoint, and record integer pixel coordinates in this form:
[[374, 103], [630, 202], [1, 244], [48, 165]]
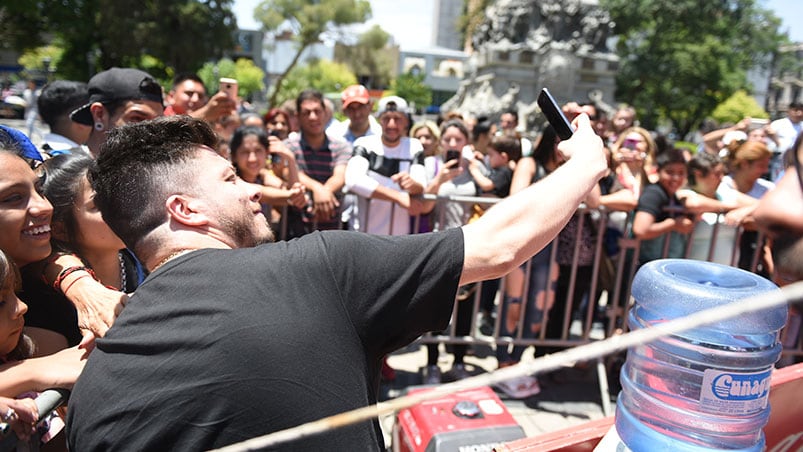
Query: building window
[[503, 56], [588, 63], [526, 57]]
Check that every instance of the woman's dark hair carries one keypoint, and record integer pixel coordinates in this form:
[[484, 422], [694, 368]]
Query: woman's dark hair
[[10, 280], [239, 136], [544, 151], [274, 112], [459, 124], [65, 176], [482, 127]]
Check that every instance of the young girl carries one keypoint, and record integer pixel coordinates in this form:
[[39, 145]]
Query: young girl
[[25, 236], [249, 152], [29, 358]]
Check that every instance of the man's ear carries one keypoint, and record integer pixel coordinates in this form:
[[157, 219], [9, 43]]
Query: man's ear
[[186, 210]]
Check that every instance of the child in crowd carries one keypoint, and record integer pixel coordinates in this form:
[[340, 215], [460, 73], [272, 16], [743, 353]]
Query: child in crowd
[[501, 151], [30, 360], [655, 217]]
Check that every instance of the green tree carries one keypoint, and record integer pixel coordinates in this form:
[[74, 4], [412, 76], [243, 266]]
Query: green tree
[[681, 58], [740, 105], [324, 75], [98, 34], [250, 78], [369, 58], [308, 20], [412, 88]]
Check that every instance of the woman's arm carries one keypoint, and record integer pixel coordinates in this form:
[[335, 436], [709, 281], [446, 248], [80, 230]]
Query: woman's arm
[[59, 370], [448, 171], [523, 174], [96, 304], [623, 200]]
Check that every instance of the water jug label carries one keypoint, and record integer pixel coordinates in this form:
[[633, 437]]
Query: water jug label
[[735, 392]]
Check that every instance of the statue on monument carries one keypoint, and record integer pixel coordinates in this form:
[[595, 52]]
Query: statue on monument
[[552, 32]]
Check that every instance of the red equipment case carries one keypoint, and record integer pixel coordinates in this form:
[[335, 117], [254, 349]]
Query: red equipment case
[[472, 421]]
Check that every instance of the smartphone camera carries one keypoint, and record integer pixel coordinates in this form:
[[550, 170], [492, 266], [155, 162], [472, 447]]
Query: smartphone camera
[[630, 143], [452, 154]]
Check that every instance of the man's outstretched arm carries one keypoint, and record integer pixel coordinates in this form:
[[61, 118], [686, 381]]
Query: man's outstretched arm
[[521, 225]]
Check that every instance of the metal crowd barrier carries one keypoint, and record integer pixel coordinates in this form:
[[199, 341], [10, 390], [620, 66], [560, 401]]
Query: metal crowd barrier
[[46, 403], [603, 312]]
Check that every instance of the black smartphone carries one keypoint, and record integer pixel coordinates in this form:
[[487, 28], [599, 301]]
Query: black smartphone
[[452, 154], [554, 115]]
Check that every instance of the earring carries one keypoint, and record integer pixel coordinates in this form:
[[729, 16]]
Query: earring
[[99, 126]]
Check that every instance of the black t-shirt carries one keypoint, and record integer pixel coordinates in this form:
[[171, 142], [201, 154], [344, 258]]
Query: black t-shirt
[[47, 308], [220, 346], [501, 178], [655, 201]]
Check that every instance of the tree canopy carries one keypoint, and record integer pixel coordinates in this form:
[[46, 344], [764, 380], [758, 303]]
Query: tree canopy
[[308, 19], [411, 87], [681, 58], [98, 34], [324, 75], [369, 58], [248, 75]]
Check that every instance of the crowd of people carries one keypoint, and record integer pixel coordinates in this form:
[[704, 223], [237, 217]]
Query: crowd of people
[[135, 187]]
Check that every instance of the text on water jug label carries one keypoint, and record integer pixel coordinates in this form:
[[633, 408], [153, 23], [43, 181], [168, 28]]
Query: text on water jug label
[[735, 392]]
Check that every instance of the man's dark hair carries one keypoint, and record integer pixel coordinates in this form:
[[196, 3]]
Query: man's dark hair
[[140, 165], [670, 156], [309, 94], [59, 98], [513, 113], [183, 76], [704, 163]]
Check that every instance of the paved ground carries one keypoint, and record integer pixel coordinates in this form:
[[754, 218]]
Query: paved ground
[[568, 397]]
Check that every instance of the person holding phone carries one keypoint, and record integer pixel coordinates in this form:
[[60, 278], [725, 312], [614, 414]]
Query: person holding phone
[[189, 97]]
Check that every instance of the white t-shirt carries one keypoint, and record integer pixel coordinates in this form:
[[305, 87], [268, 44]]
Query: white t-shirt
[[375, 217]]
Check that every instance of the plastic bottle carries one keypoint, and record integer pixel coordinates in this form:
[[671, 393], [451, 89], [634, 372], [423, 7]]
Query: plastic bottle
[[707, 388]]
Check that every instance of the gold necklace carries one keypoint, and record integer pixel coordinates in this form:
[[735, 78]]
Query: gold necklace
[[169, 257]]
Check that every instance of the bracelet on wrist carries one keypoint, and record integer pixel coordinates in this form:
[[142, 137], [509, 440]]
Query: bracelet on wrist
[[68, 271], [67, 289]]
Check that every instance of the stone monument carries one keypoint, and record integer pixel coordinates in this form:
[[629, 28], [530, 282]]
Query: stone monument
[[524, 45]]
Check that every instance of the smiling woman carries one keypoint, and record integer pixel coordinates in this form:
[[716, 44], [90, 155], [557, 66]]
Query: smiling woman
[[24, 212]]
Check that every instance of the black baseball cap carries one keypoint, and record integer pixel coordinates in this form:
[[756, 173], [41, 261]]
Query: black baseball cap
[[117, 84]]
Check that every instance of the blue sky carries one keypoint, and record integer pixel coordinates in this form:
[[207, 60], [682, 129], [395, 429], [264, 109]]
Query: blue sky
[[396, 18]]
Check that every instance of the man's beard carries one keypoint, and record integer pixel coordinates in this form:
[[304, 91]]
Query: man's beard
[[242, 230]]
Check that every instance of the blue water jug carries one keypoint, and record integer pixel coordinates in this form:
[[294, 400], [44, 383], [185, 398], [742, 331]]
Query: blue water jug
[[707, 388]]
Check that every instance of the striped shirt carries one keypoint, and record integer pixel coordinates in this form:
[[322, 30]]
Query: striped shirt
[[319, 164]]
